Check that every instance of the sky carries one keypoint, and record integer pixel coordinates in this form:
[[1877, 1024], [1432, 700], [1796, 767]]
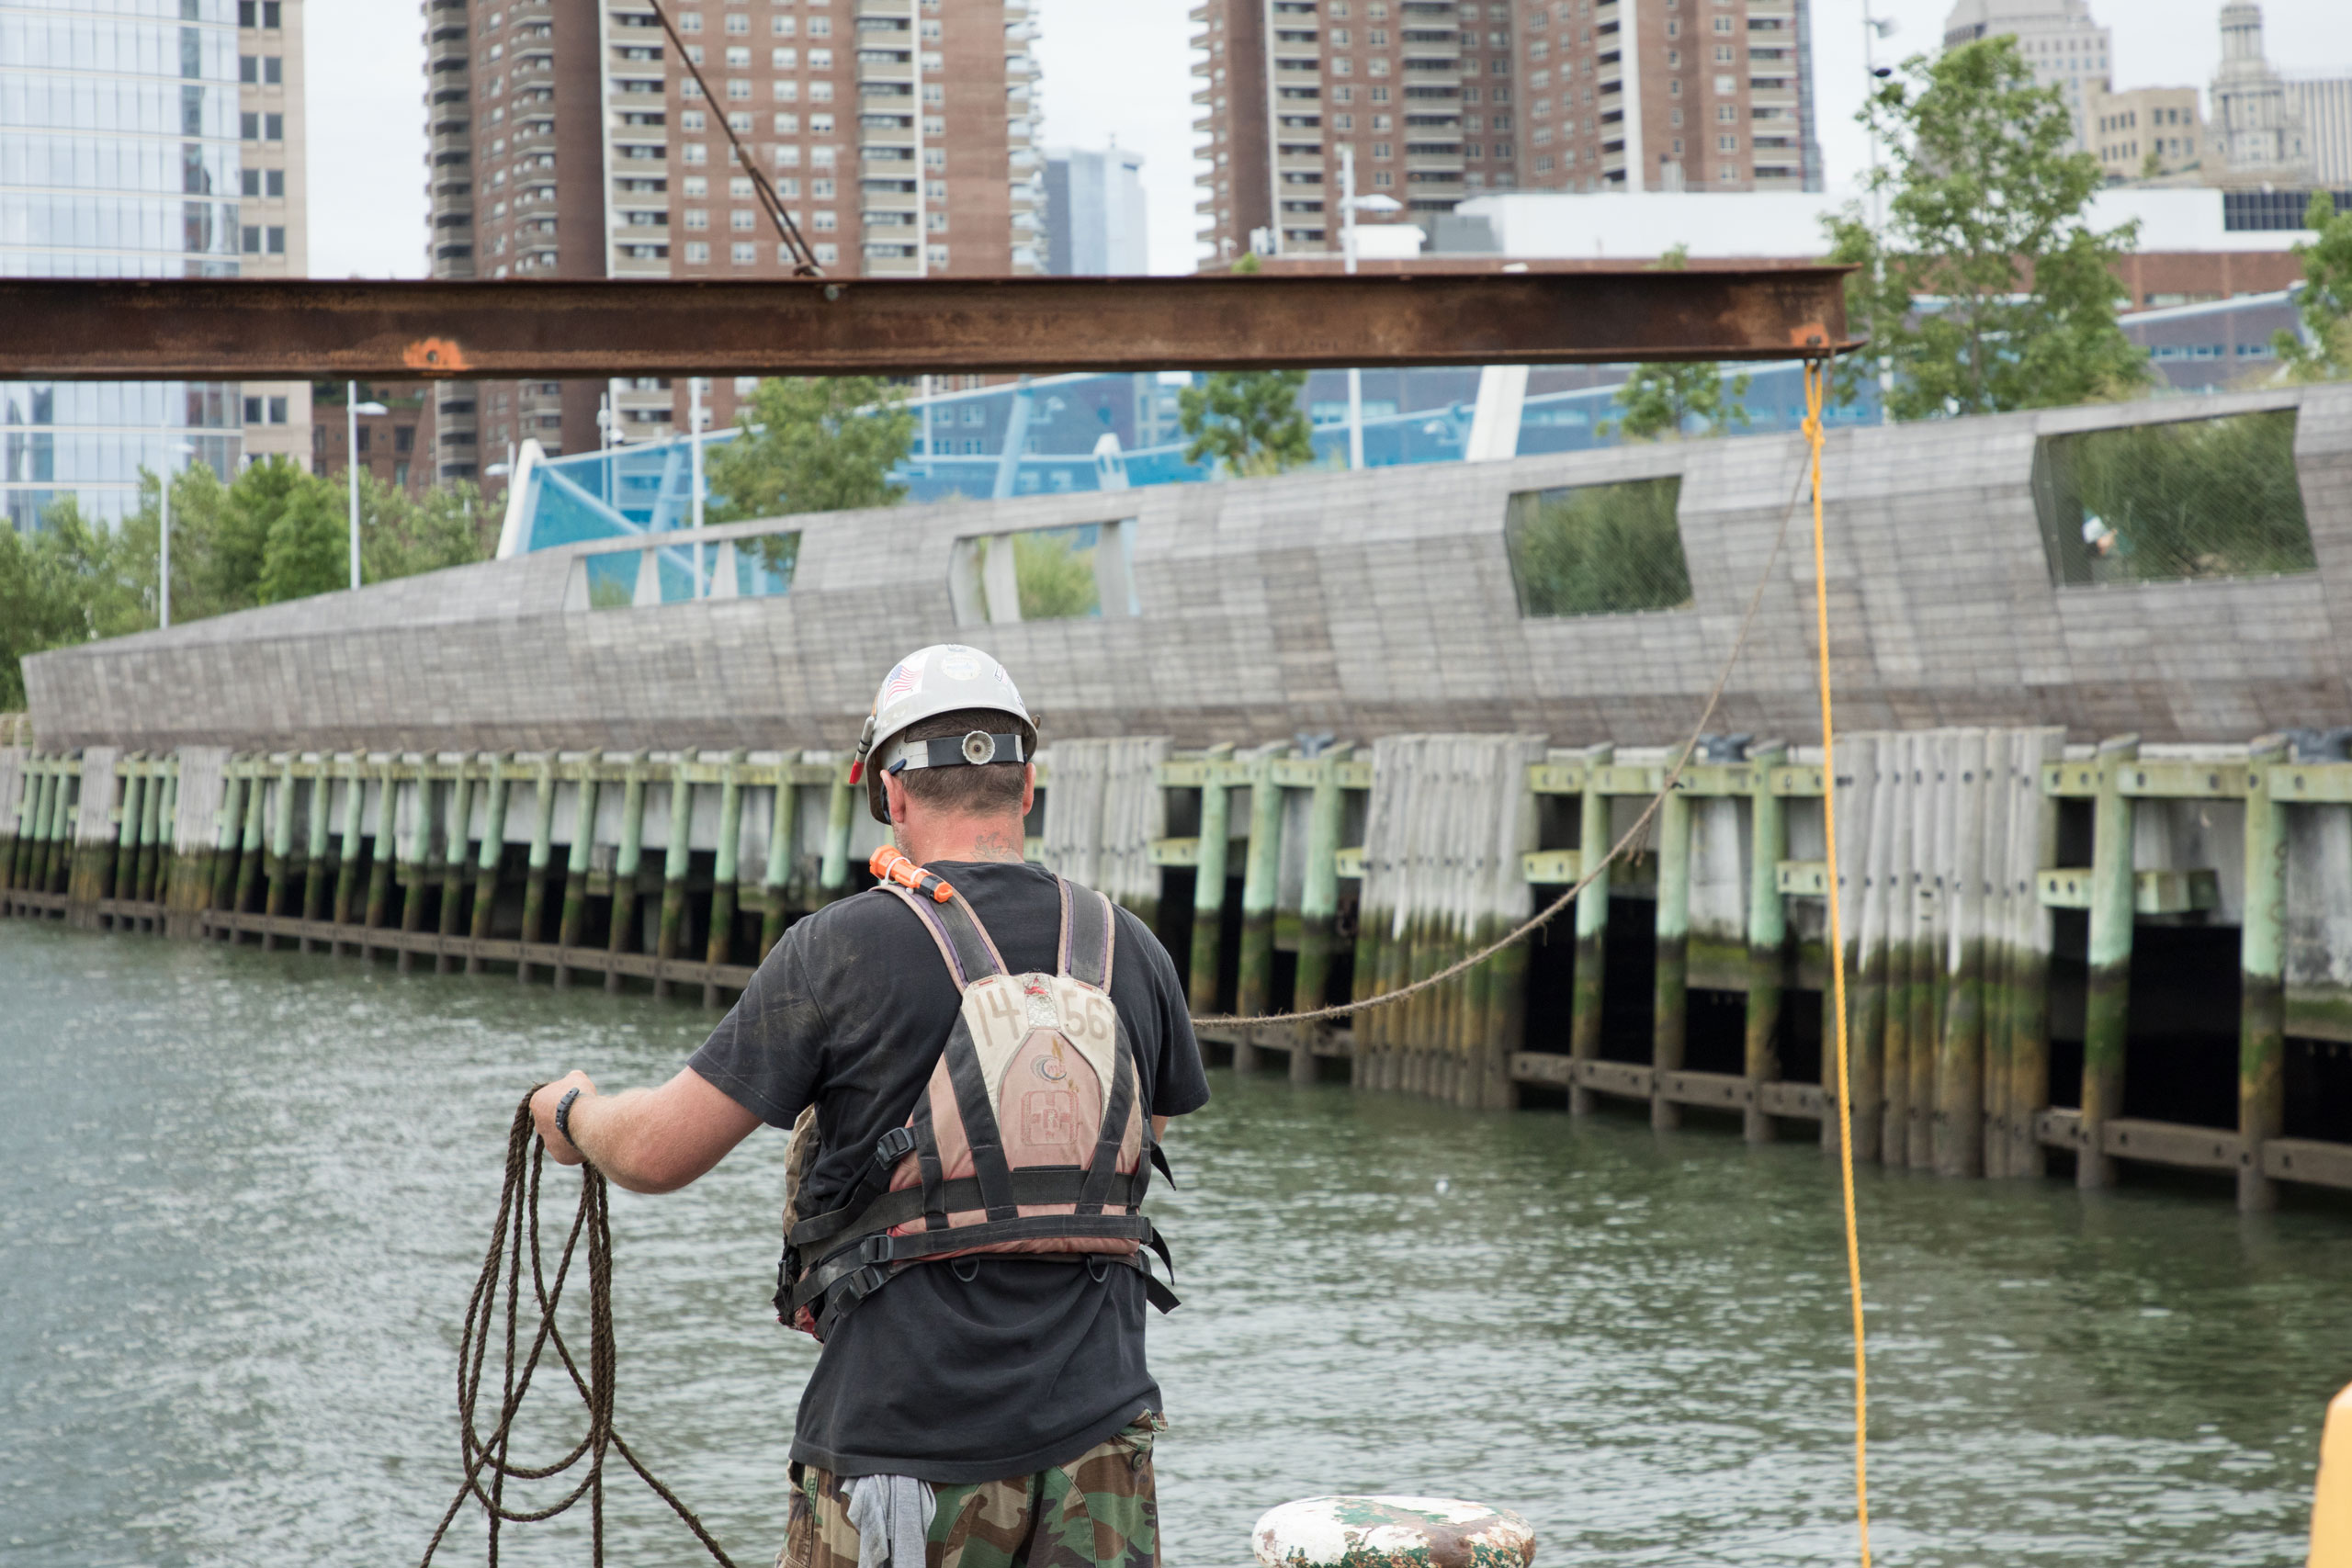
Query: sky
[[1121, 71]]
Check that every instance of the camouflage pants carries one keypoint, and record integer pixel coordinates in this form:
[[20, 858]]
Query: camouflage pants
[[1098, 1511]]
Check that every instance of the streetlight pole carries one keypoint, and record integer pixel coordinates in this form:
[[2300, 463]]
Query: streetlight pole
[[1874, 29], [694, 448], [163, 537], [353, 409], [1347, 247]]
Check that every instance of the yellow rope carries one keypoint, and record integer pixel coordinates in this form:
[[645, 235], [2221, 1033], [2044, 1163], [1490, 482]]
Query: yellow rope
[[1817, 375]]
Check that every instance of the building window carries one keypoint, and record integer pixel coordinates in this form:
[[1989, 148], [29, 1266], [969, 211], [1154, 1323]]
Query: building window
[[782, 26], [249, 127], [278, 411], [404, 438], [697, 153], [252, 240], [743, 254], [739, 123], [691, 119], [737, 87], [252, 411], [828, 255], [738, 23], [697, 253], [690, 21], [823, 220], [273, 127], [784, 59], [1726, 143], [276, 241], [742, 219]]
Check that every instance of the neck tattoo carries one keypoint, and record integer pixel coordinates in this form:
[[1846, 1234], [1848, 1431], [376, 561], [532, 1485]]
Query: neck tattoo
[[995, 843]]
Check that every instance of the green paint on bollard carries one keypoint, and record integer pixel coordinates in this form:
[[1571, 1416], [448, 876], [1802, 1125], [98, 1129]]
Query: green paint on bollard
[[456, 860], [1319, 910], [314, 869], [2261, 977], [347, 871], [677, 859], [386, 851], [1260, 874], [832, 872], [1208, 881], [1587, 989], [414, 872], [534, 882], [724, 870], [625, 867], [1768, 937], [774, 877], [486, 864], [2105, 1010], [571, 922], [1670, 974]]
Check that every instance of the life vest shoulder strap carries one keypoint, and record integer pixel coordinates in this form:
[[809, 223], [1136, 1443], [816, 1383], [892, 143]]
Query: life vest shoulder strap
[[1089, 932], [964, 943]]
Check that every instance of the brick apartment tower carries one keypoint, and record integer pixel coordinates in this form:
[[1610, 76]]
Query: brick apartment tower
[[273, 207], [1445, 99], [568, 141]]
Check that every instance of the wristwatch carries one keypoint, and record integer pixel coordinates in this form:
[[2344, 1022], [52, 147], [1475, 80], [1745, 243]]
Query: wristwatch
[[563, 1117]]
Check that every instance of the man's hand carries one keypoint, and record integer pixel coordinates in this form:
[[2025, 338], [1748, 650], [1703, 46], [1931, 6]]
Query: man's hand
[[543, 1106]]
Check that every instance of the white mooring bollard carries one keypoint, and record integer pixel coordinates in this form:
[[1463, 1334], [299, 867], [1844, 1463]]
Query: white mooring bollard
[[1392, 1532]]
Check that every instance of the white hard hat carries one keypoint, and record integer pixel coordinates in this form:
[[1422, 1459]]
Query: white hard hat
[[943, 678]]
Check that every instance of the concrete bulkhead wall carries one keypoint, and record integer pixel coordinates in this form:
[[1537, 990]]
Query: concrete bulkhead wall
[[1358, 605]]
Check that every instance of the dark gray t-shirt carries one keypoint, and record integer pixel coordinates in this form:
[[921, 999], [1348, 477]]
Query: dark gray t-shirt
[[1027, 1364]]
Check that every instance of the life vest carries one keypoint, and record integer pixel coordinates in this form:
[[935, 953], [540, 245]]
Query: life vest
[[1031, 1138]]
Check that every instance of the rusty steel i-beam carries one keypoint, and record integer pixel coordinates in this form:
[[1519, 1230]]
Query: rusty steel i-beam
[[70, 329]]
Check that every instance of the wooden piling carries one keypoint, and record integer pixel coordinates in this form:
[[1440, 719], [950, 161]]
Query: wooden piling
[[574, 917], [1767, 936], [1960, 1083], [2029, 974], [1509, 901], [2107, 1007], [677, 859], [278, 850], [160, 873], [535, 879], [1592, 924], [1319, 910], [386, 851], [1261, 871], [486, 864], [317, 826], [414, 874], [1208, 879], [54, 809], [2261, 977], [625, 867], [2002, 750], [154, 822], [1670, 972], [123, 884], [457, 862], [347, 871], [776, 876], [832, 871], [719, 949], [17, 865], [1927, 956], [250, 852], [1849, 781]]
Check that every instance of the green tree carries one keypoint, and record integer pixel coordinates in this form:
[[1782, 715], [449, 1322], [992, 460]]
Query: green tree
[[309, 548], [2323, 351], [44, 597], [1055, 577], [1988, 289], [400, 537], [1661, 399], [1248, 420], [812, 444]]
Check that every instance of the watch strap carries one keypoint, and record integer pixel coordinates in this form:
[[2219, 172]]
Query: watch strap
[[563, 1116]]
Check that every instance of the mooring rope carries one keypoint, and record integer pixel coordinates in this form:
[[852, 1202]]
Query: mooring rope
[[1816, 378], [511, 1238]]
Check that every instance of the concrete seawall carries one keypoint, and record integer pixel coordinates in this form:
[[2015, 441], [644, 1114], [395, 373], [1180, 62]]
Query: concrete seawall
[[1364, 605]]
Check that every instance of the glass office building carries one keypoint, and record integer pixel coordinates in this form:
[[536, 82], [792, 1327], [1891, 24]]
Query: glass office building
[[119, 158]]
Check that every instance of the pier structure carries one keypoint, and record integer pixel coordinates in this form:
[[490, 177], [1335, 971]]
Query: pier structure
[[1999, 885], [1331, 733]]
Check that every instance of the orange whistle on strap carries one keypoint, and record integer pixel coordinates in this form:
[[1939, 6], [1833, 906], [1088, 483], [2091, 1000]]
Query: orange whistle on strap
[[892, 866]]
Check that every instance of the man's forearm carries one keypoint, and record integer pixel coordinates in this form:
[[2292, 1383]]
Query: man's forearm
[[615, 1133]]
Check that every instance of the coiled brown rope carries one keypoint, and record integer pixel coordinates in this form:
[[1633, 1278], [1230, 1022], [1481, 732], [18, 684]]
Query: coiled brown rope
[[488, 1458]]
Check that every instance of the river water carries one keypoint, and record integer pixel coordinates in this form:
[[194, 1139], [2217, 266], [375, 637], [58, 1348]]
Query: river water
[[246, 1196]]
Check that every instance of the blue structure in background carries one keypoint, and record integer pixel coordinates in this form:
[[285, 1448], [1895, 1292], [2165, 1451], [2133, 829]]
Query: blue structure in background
[[1052, 435]]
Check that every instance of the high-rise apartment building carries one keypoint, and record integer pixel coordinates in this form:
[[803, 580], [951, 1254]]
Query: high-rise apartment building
[[273, 212], [1443, 99], [119, 158], [2066, 48], [569, 140]]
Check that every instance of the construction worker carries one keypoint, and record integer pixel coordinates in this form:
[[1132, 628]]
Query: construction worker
[[982, 1397]]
